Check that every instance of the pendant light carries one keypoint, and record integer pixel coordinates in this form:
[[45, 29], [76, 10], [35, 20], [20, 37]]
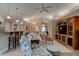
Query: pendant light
[[21, 18], [17, 20], [8, 17], [17, 15], [21, 22]]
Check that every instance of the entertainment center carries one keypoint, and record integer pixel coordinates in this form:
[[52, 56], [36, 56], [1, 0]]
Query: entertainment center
[[67, 32]]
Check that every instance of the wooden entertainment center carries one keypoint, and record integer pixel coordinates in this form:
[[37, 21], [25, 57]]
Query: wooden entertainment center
[[67, 31]]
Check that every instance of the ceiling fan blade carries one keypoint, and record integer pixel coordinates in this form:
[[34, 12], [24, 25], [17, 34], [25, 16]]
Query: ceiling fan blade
[[46, 10]]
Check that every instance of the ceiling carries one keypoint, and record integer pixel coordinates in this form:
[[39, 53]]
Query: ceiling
[[28, 9]]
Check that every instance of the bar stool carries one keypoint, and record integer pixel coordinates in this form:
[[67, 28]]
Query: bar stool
[[11, 43]]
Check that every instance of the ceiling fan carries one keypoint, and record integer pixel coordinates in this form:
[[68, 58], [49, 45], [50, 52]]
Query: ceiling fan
[[43, 8]]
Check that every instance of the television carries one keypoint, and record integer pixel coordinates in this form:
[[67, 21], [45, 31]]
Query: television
[[63, 29]]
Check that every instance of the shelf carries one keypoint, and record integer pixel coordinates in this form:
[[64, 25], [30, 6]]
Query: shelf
[[61, 34], [64, 39], [69, 36]]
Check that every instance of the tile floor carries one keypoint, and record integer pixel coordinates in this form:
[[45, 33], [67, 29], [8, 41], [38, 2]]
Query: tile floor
[[42, 50]]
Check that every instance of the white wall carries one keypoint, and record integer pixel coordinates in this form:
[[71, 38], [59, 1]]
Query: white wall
[[52, 28], [3, 42]]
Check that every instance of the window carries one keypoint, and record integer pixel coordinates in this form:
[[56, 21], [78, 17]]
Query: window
[[44, 30]]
